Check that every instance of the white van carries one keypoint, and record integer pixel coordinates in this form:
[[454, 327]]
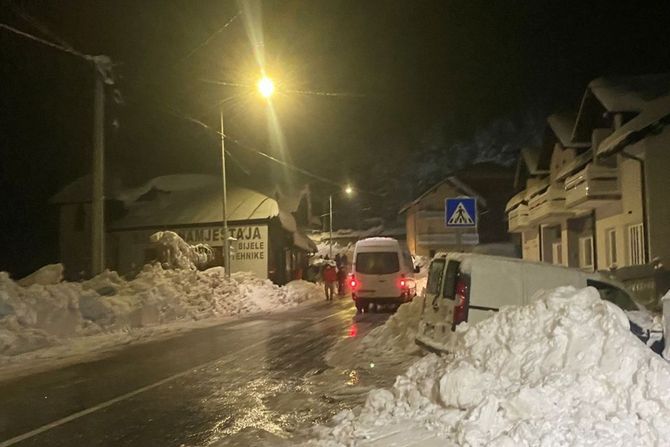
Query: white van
[[469, 287], [382, 273]]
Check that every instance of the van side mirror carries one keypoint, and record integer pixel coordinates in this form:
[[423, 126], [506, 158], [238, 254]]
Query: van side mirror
[[417, 269]]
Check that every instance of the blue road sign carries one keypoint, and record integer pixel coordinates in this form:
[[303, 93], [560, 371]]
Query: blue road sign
[[461, 212]]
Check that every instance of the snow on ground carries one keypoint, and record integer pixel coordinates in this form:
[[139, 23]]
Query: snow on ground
[[391, 342], [564, 370], [46, 312]]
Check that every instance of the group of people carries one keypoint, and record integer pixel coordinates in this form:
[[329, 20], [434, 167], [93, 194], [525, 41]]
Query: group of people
[[334, 273]]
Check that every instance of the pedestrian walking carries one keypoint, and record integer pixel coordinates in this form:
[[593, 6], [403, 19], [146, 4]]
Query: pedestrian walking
[[329, 279], [341, 279]]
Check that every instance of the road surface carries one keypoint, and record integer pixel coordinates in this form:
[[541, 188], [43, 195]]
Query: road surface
[[234, 384]]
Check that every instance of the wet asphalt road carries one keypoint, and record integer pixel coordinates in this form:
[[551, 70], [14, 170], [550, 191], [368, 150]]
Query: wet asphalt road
[[233, 384]]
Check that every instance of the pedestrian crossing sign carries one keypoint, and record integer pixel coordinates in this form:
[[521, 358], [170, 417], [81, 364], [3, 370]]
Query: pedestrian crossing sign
[[461, 212]]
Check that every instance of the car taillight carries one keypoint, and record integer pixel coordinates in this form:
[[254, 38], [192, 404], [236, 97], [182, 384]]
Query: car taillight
[[461, 305], [403, 284], [353, 283]]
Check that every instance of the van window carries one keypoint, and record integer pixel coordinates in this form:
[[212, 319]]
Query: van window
[[450, 280], [613, 294], [435, 272], [377, 263]]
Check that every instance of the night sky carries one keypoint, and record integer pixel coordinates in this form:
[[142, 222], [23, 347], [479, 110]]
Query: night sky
[[367, 89]]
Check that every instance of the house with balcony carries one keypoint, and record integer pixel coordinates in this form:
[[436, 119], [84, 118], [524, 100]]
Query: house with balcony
[[427, 232], [592, 195]]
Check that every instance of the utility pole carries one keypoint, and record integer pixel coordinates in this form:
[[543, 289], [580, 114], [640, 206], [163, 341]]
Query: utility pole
[[98, 172], [226, 239], [330, 214]]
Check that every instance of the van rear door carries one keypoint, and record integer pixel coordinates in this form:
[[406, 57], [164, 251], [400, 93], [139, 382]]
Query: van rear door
[[377, 273], [438, 308]]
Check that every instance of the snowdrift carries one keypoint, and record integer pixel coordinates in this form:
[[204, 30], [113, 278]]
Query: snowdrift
[[45, 312], [564, 370]]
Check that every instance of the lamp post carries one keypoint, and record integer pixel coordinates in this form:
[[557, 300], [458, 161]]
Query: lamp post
[[266, 88], [348, 190]]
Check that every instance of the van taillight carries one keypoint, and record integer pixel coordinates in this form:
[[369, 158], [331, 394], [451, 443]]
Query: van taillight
[[461, 304], [353, 282]]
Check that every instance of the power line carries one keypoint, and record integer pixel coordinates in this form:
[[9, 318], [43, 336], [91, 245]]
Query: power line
[[48, 43], [103, 66], [209, 39], [253, 150]]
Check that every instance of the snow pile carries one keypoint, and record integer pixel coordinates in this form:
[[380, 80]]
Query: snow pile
[[49, 274], [41, 315], [564, 370], [398, 333]]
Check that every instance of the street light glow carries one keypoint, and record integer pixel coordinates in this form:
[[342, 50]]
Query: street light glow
[[266, 87], [349, 190]]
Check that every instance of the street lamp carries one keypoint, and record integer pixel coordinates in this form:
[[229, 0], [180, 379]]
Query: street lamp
[[348, 190], [266, 88]]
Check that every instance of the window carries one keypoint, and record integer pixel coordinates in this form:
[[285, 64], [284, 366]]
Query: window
[[610, 238], [636, 244], [557, 253], [586, 253], [377, 263], [435, 272], [450, 280]]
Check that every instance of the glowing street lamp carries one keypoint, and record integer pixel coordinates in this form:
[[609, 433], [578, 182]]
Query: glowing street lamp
[[266, 88], [349, 191]]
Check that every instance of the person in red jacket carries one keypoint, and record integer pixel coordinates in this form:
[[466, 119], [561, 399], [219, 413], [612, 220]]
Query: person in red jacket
[[329, 279]]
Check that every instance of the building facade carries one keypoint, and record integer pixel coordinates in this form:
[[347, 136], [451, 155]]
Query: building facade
[[593, 194], [427, 232], [265, 238]]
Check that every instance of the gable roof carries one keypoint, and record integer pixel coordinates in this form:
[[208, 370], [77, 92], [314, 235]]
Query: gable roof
[[656, 112], [176, 203], [468, 181], [618, 94]]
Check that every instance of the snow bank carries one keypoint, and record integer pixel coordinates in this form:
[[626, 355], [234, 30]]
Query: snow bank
[[564, 370], [41, 315]]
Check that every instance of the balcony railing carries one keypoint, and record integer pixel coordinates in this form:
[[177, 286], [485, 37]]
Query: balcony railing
[[592, 187], [517, 219], [548, 205]]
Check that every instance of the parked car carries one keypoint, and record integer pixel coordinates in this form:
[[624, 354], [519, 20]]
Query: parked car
[[382, 273], [470, 287]]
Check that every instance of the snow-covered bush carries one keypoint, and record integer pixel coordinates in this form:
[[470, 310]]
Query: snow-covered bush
[[176, 253]]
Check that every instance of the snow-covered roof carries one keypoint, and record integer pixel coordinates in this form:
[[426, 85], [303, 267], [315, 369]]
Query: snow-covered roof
[[80, 190], [191, 199], [531, 157], [654, 112], [618, 94], [562, 125], [629, 93]]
